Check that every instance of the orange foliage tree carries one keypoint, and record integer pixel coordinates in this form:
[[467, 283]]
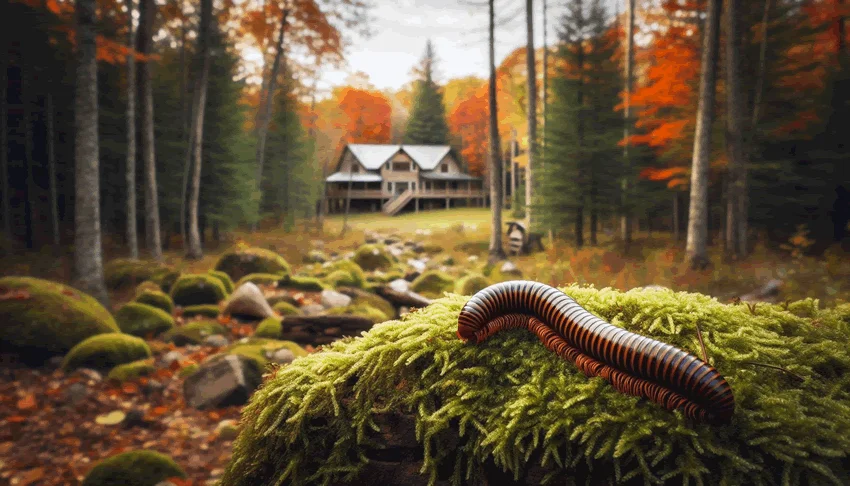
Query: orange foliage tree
[[469, 119], [366, 115]]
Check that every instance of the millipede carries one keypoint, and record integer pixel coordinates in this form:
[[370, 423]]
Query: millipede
[[633, 364]]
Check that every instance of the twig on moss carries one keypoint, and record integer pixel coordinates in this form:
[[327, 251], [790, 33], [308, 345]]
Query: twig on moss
[[784, 370], [701, 343]]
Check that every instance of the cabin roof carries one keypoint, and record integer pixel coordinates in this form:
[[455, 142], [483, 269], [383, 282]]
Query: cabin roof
[[373, 156], [346, 176]]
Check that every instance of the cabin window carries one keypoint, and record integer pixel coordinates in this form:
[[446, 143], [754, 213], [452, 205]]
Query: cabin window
[[389, 187], [355, 169], [401, 166], [388, 166], [444, 168]]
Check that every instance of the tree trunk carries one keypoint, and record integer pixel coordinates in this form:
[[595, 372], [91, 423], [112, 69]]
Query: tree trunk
[[697, 240], [194, 250], [51, 174], [579, 227], [496, 252], [625, 218], [186, 136], [4, 161], [29, 200], [130, 174], [216, 232], [676, 225], [594, 223], [513, 151], [532, 108], [347, 207], [88, 264], [266, 108], [736, 241], [147, 17]]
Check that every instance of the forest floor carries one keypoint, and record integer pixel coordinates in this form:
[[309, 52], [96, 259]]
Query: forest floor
[[53, 426]]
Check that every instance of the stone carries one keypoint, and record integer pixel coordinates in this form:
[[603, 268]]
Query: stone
[[90, 375], [76, 393], [229, 380], [768, 293], [332, 299], [418, 247], [395, 251], [400, 285], [216, 341], [227, 429], [411, 276], [315, 256], [248, 300], [313, 309], [281, 356], [510, 268], [171, 357], [417, 265], [472, 258]]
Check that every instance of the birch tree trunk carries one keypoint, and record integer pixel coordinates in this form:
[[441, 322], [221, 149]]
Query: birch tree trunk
[[4, 161], [496, 252], [147, 17], [347, 207], [696, 246], [736, 211], [532, 108], [88, 264], [130, 174], [625, 218], [51, 174], [194, 250], [676, 225]]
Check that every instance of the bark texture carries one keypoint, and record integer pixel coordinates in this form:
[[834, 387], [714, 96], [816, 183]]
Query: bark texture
[[696, 246], [130, 174], [625, 218], [736, 210], [4, 162], [496, 252], [147, 17], [51, 173], [532, 108], [88, 264]]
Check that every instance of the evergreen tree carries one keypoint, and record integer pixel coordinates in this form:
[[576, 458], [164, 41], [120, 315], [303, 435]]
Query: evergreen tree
[[427, 123]]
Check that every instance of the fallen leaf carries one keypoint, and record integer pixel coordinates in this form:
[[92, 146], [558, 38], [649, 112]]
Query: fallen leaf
[[27, 403], [130, 388], [16, 419], [111, 418], [29, 477]]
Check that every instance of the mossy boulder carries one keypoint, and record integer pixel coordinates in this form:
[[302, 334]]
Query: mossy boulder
[[197, 289], [355, 278], [165, 279], [432, 284], [268, 328], [360, 310], [143, 320], [281, 297], [41, 318], [511, 406], [286, 309], [106, 351], [132, 371], [471, 284], [156, 298], [373, 257], [134, 468], [257, 349], [193, 332], [268, 279], [147, 285], [206, 310], [125, 272], [341, 278], [224, 279], [303, 283], [360, 297], [245, 261]]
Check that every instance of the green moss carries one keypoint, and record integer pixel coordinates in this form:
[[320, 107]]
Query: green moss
[[197, 289], [225, 280], [281, 297], [471, 284], [375, 301], [432, 284], [208, 310], [268, 328], [356, 277], [155, 298], [105, 351], [245, 261], [341, 278], [165, 279], [121, 272], [259, 279], [256, 348], [432, 248], [304, 284], [193, 332], [147, 285], [360, 310], [143, 320], [515, 404], [48, 318], [286, 309], [186, 371], [132, 371], [373, 257], [134, 468]]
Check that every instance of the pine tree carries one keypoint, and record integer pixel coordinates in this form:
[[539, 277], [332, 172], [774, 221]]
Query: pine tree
[[427, 123]]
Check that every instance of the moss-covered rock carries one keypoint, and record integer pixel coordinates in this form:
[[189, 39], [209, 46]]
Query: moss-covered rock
[[147, 285], [286, 309], [193, 332], [268, 328], [360, 310], [156, 298], [225, 280], [511, 403], [368, 298], [257, 349], [105, 351], [432, 284], [341, 278], [245, 261], [356, 277], [132, 371], [143, 320], [124, 272], [268, 279], [281, 297], [134, 468], [165, 279], [197, 289], [44, 318], [471, 284], [207, 310], [373, 257], [304, 284]]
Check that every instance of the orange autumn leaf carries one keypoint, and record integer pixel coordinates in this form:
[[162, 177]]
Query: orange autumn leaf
[[27, 403], [16, 419], [130, 388]]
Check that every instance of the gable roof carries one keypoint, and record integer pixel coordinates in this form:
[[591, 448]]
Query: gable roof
[[373, 156]]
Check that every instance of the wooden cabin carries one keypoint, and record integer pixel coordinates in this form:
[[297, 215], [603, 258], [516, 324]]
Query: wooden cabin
[[390, 178]]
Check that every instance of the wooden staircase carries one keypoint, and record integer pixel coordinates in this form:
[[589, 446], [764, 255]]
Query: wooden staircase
[[394, 205]]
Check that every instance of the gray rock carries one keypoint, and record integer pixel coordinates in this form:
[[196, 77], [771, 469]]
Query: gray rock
[[510, 268], [315, 256], [248, 300], [229, 380], [399, 285], [417, 265], [332, 299], [227, 429], [411, 276], [472, 258], [418, 247], [313, 309], [216, 341], [281, 356], [171, 357], [768, 293], [395, 251], [76, 393], [88, 374]]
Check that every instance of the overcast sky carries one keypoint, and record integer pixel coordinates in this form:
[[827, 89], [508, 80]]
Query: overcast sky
[[458, 31]]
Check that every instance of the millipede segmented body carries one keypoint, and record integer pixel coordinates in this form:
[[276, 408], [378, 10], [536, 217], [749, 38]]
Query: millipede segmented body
[[633, 364]]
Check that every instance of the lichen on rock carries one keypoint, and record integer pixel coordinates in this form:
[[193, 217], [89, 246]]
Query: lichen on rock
[[432, 284], [133, 468], [197, 289], [105, 351], [373, 257], [143, 320], [512, 404], [156, 298], [247, 260]]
